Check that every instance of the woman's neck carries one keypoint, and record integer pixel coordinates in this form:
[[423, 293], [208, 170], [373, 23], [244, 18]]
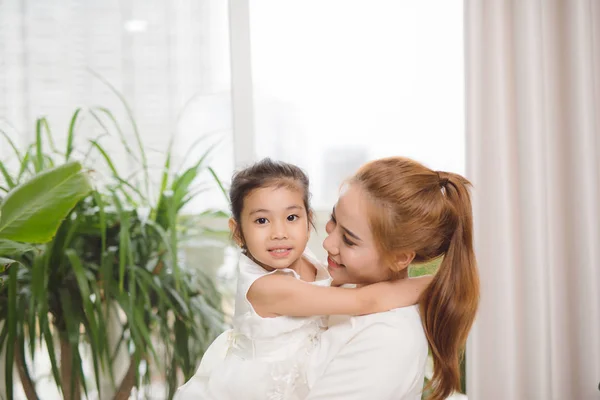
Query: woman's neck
[[393, 276]]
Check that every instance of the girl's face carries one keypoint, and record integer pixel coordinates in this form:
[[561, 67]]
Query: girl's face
[[275, 226], [352, 254]]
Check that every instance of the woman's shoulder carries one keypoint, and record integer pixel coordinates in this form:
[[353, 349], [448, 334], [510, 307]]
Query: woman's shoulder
[[401, 324], [395, 336], [405, 319]]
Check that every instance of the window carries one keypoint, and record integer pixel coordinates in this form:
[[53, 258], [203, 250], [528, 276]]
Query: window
[[338, 83]]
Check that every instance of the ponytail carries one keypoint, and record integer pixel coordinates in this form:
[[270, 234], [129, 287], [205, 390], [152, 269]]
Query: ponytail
[[449, 304], [428, 212]]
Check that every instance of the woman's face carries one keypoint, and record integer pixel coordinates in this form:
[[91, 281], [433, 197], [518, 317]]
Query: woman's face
[[352, 254]]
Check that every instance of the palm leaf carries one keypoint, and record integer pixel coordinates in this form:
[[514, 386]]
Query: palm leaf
[[120, 133], [45, 330], [7, 178], [71, 134], [12, 145], [33, 211], [39, 159], [134, 126], [8, 247], [216, 178], [27, 160], [12, 331]]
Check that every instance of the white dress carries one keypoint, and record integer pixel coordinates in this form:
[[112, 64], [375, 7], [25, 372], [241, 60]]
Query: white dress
[[260, 358]]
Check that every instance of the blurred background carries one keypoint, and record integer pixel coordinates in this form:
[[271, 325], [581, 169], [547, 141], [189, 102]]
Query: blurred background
[[162, 101]]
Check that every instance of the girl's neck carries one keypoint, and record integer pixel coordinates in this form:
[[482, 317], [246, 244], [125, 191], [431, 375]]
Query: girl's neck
[[305, 269]]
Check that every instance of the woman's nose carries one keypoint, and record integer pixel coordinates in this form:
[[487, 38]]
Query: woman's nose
[[330, 245]]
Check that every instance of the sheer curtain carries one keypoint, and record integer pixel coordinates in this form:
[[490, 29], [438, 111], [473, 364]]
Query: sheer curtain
[[533, 134], [170, 61]]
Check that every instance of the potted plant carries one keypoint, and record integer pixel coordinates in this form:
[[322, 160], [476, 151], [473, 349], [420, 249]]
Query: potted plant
[[113, 266]]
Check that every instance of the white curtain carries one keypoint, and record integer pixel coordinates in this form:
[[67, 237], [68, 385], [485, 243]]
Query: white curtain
[[533, 134]]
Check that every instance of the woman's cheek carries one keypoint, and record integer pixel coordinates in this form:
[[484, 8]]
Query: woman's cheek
[[329, 227]]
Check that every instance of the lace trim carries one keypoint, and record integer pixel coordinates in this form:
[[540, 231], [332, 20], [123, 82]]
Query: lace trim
[[287, 378]]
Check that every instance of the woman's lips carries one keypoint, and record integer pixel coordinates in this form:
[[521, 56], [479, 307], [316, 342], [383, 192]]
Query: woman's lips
[[333, 264]]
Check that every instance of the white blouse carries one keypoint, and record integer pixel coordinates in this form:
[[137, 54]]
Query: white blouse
[[378, 356]]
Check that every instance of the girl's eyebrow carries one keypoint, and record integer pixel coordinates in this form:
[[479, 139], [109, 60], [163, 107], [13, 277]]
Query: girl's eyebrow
[[264, 210], [260, 210]]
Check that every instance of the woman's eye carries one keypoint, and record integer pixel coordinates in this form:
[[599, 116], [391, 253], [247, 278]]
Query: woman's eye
[[292, 217], [348, 243], [261, 221]]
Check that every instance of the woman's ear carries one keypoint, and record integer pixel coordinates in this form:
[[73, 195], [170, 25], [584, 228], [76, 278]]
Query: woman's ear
[[403, 260], [234, 228]]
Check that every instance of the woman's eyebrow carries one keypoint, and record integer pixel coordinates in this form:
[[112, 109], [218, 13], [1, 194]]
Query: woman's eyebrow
[[349, 232]]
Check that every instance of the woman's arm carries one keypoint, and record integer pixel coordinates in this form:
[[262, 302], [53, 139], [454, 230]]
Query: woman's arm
[[275, 294]]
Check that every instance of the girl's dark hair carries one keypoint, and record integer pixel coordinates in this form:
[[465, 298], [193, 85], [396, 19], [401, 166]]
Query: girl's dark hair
[[267, 173]]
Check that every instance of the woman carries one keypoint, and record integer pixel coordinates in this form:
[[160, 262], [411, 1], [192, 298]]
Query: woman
[[392, 212]]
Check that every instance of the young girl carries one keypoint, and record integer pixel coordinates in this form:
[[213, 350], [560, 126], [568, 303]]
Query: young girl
[[282, 295]]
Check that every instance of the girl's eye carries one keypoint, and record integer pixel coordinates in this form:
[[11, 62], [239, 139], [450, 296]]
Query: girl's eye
[[347, 242], [261, 221], [292, 217]]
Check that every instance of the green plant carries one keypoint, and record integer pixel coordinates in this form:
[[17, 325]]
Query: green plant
[[32, 213], [117, 251]]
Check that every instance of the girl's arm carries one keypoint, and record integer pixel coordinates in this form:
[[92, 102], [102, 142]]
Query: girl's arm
[[276, 294]]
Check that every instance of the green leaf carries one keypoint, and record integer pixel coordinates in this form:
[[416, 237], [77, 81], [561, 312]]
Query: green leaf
[[12, 145], [25, 163], [9, 181], [117, 127], [33, 211], [12, 331], [106, 157], [49, 134], [10, 248], [216, 178], [5, 262], [39, 160], [166, 170], [71, 134], [134, 126], [45, 328], [193, 146], [102, 221], [124, 241], [48, 162]]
